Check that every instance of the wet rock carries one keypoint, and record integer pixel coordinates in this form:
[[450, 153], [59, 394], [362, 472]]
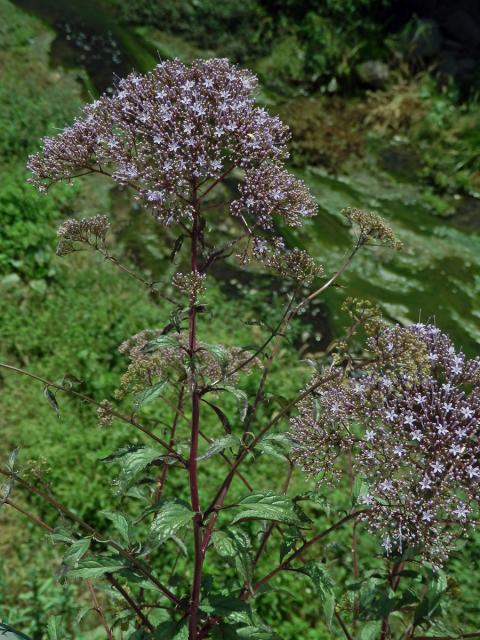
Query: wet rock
[[400, 160], [467, 213], [373, 74], [462, 27], [426, 39]]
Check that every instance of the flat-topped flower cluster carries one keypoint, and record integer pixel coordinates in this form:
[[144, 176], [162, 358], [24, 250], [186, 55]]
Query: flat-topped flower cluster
[[179, 127], [412, 422]]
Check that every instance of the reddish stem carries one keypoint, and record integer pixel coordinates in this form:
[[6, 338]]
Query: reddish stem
[[195, 432]]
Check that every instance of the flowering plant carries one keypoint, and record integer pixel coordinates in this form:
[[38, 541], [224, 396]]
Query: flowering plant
[[403, 416]]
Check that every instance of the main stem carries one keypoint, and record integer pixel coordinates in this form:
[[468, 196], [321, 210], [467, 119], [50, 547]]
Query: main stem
[[195, 432]]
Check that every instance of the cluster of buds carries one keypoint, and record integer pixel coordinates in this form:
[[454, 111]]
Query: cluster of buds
[[105, 413], [371, 227], [154, 357], [192, 284], [411, 422], [89, 231], [294, 264], [175, 129]]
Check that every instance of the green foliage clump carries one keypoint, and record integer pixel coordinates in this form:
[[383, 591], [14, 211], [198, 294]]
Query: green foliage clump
[[237, 30], [32, 108], [27, 234], [17, 29]]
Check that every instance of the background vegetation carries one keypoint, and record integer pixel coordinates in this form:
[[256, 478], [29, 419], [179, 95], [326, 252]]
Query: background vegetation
[[399, 137]]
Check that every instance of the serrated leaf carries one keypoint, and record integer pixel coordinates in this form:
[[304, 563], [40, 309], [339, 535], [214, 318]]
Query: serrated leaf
[[122, 525], [62, 534], [289, 541], [220, 604], [430, 603], [52, 400], [360, 489], [323, 586], [12, 458], [257, 633], [171, 631], [95, 566], [241, 398], [82, 613], [219, 445], [234, 545], [55, 628], [133, 460], [76, 551], [267, 506], [370, 630], [160, 342], [220, 354], [376, 599], [172, 516], [146, 396], [6, 491], [276, 445]]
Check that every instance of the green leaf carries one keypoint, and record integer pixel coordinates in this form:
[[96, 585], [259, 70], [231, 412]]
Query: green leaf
[[223, 604], [323, 586], [360, 489], [146, 396], [12, 458], [277, 445], [171, 631], [220, 354], [377, 599], [370, 631], [55, 629], [122, 525], [257, 633], [430, 603], [219, 445], [289, 541], [76, 551], [133, 460], [267, 506], [62, 534], [95, 566], [160, 342], [177, 246], [242, 400], [172, 516], [221, 416], [6, 491], [234, 545], [52, 400]]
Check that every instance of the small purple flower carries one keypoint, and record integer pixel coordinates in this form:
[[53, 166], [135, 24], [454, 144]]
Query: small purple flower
[[426, 444]]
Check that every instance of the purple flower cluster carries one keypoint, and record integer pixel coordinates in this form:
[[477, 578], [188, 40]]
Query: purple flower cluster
[[412, 423], [175, 129]]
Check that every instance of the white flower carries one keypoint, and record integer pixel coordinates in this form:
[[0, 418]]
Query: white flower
[[409, 419], [425, 483], [461, 511]]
